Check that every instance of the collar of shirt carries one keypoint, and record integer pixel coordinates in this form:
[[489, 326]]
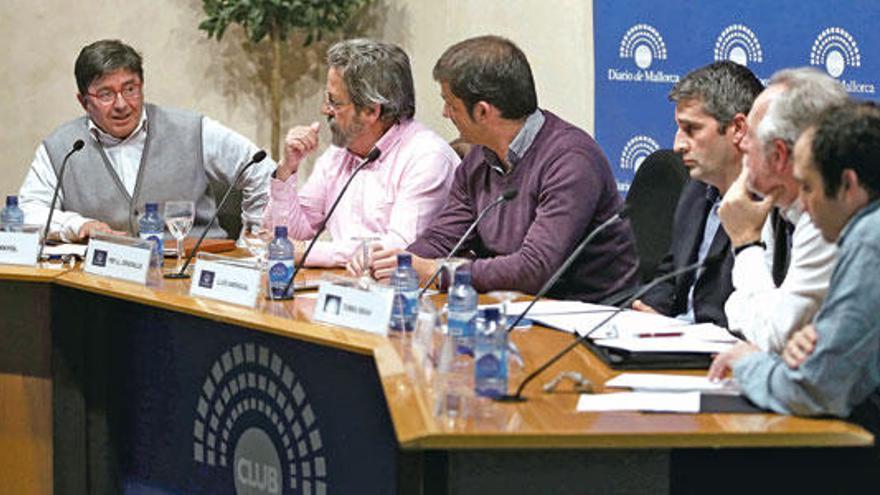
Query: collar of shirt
[[792, 213], [867, 210], [520, 144], [390, 140], [107, 141]]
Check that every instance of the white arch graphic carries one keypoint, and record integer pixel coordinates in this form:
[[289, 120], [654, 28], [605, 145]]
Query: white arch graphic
[[636, 150], [250, 379], [738, 43], [835, 48]]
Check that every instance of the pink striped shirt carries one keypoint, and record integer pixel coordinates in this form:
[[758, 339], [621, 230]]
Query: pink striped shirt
[[392, 199]]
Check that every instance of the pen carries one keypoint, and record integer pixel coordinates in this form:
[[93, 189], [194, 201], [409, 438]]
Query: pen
[[659, 334]]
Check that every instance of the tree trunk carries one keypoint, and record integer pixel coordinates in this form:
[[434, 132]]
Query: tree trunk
[[275, 84]]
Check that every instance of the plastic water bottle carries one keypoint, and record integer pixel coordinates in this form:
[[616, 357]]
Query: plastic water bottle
[[280, 264], [151, 228], [405, 282], [462, 303], [490, 355], [11, 217]]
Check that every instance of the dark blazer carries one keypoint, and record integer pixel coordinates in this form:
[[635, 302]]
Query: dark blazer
[[714, 285]]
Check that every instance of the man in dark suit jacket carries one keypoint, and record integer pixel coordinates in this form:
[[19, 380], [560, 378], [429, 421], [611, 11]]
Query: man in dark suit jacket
[[711, 104]]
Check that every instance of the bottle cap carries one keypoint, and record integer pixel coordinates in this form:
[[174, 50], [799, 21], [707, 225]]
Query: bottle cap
[[490, 314], [281, 231], [462, 276], [11, 200], [151, 207], [404, 260]]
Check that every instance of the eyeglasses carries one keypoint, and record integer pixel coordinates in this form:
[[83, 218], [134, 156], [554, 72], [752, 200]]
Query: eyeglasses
[[335, 106], [107, 96]]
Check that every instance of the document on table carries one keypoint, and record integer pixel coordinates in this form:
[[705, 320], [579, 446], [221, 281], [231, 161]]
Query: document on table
[[580, 318], [682, 402], [66, 249], [665, 382]]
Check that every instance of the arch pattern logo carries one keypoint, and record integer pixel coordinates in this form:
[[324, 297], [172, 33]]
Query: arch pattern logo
[[835, 49], [247, 381], [643, 44], [636, 150], [739, 44]]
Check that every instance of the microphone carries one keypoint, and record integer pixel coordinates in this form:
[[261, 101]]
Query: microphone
[[620, 215], [503, 197], [257, 158], [77, 145], [517, 396], [372, 156]]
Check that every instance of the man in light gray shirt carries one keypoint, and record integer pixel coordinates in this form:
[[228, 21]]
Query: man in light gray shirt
[[134, 153]]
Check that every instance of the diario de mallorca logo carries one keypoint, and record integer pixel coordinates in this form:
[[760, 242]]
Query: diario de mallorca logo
[[634, 153], [643, 44], [835, 49], [251, 394], [739, 44]]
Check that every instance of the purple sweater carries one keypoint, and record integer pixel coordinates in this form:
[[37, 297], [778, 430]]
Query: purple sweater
[[566, 189]]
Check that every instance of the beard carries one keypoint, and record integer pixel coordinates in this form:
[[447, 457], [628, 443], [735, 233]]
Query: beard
[[343, 136]]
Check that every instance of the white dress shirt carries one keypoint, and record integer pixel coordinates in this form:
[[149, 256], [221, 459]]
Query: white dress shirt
[[124, 155], [765, 314]]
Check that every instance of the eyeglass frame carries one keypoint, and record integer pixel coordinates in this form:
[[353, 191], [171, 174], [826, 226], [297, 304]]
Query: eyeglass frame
[[112, 93], [335, 106]]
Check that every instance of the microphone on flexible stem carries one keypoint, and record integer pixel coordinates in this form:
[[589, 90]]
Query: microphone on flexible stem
[[372, 156], [517, 396], [503, 197], [257, 158], [77, 145], [620, 215]]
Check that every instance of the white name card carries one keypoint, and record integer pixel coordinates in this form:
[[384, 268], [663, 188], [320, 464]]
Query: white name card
[[119, 257], [342, 302], [228, 282], [20, 247]]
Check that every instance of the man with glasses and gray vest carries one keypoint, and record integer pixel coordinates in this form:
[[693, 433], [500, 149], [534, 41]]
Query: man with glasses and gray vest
[[134, 153]]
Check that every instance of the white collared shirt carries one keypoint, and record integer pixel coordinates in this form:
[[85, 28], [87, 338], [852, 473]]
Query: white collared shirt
[[124, 156], [765, 314]]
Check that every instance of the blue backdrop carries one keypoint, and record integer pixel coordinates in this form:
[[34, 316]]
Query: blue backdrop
[[643, 47]]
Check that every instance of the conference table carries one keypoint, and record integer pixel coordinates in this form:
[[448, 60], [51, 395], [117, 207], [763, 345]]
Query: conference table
[[108, 386]]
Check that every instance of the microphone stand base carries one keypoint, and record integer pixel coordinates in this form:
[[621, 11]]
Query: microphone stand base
[[175, 275], [510, 398]]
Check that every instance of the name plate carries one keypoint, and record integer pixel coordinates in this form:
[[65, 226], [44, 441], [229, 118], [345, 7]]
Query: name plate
[[227, 281], [20, 247], [342, 302], [125, 258]]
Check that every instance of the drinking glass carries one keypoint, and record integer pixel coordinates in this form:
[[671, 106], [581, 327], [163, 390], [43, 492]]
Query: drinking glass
[[451, 265], [257, 239], [179, 217], [365, 252], [504, 297]]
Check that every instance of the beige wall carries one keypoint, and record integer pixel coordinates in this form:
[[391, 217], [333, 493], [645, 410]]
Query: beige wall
[[41, 38]]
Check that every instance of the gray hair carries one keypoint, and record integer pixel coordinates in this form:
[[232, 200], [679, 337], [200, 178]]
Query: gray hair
[[376, 73], [808, 93], [103, 57], [725, 88]]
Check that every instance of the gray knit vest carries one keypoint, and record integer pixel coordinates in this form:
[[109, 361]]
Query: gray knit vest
[[171, 168]]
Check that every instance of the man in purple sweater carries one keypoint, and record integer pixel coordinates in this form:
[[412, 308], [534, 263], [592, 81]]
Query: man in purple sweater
[[565, 186]]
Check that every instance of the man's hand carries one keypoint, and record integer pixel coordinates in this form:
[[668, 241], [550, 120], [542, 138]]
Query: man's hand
[[724, 362], [359, 264], [92, 226], [800, 346], [743, 217], [299, 142], [385, 262], [638, 305]]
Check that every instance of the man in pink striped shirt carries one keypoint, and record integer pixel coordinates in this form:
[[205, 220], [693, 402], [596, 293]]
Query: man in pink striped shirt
[[370, 102]]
